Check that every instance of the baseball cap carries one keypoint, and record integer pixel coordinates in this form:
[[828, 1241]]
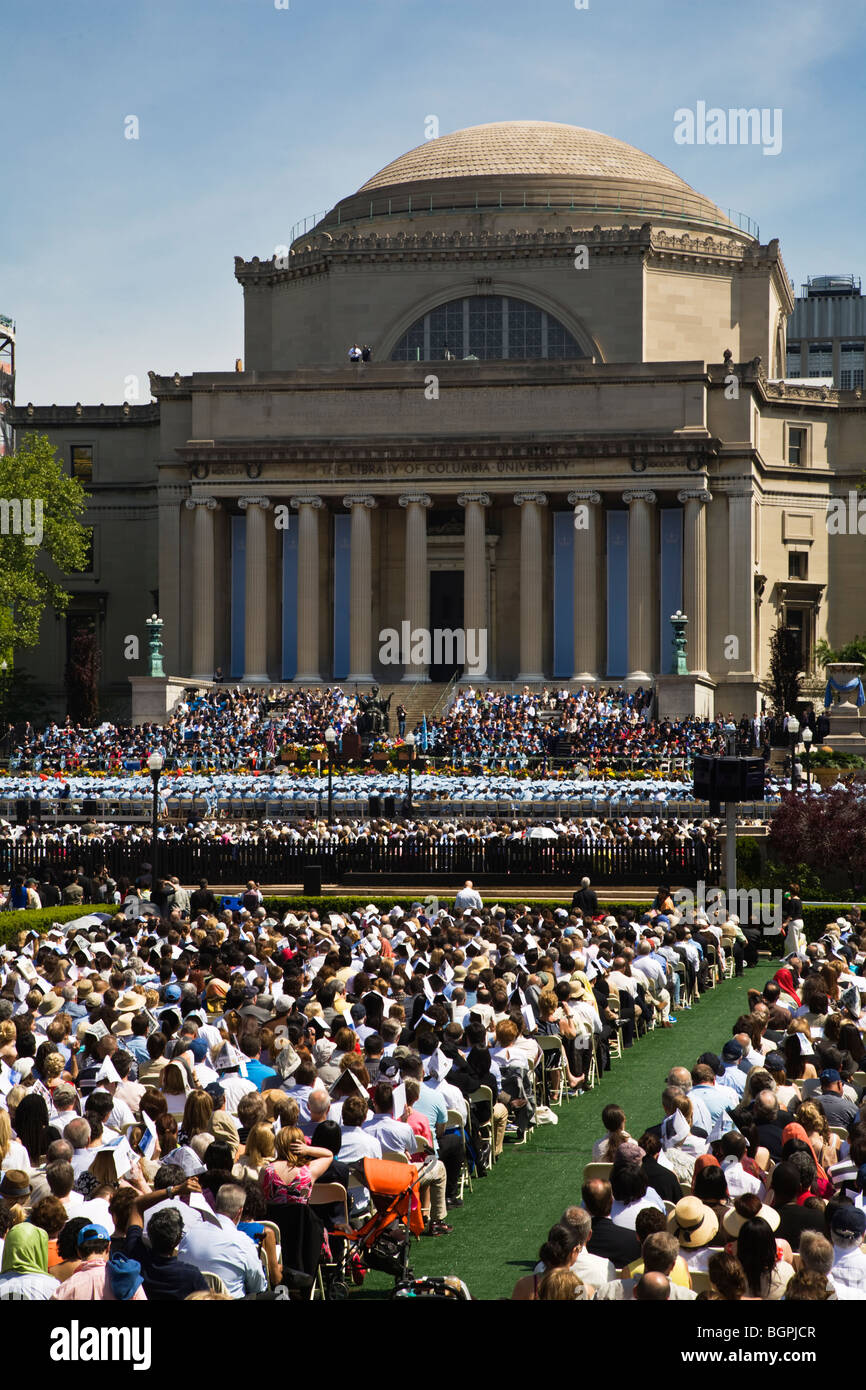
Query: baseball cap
[[88, 1233], [848, 1221], [171, 994], [214, 1090], [732, 1050], [830, 1074]]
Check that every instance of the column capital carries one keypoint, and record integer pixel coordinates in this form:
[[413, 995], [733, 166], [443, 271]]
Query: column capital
[[593, 498], [210, 503], [694, 494], [642, 494], [360, 499], [540, 498], [316, 502], [482, 498], [263, 502], [420, 499]]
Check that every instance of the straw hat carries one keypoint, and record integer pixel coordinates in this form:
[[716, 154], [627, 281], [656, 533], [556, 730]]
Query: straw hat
[[692, 1223], [733, 1221]]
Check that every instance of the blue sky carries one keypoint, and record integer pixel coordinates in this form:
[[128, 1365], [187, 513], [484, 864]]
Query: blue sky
[[117, 255]]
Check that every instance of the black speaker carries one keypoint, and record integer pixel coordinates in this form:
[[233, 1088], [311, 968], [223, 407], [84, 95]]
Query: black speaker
[[728, 786], [36, 809], [753, 770], [88, 806], [704, 778], [375, 806], [22, 812], [312, 880], [390, 803]]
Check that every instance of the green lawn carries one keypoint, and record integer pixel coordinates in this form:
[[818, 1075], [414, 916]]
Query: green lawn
[[498, 1232]]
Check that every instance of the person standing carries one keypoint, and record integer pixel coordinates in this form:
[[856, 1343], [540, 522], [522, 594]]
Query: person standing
[[401, 719]]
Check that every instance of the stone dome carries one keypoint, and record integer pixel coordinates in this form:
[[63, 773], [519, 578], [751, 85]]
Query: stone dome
[[522, 167], [529, 150]]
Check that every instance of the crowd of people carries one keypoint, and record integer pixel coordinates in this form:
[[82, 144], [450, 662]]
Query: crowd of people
[[230, 727], [182, 1087]]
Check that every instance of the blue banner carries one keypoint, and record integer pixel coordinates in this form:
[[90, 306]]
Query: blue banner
[[238, 595], [290, 598], [342, 594], [846, 687], [670, 581], [617, 594], [563, 594]]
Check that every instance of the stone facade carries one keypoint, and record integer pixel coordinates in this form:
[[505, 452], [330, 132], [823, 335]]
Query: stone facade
[[288, 513]]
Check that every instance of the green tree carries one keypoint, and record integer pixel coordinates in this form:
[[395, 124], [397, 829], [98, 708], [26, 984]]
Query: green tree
[[41, 539]]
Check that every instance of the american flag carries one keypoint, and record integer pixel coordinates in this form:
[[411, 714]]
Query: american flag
[[271, 740]]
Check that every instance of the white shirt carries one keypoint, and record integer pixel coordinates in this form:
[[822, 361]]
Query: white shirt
[[357, 1144], [849, 1268], [622, 1215], [392, 1134], [235, 1086]]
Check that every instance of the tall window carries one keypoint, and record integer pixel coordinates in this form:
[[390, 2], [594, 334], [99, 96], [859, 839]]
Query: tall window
[[821, 359], [82, 463], [797, 445], [491, 327], [793, 367], [851, 366]]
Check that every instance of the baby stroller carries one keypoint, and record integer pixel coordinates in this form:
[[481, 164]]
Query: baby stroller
[[384, 1240]]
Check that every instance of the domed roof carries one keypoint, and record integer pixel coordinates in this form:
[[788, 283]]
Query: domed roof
[[527, 149], [510, 171]]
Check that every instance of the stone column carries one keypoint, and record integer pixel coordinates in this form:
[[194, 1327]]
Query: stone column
[[203, 579], [417, 578], [741, 584], [361, 598], [586, 581], [642, 592], [531, 606], [475, 616], [256, 613], [309, 666], [695, 574]]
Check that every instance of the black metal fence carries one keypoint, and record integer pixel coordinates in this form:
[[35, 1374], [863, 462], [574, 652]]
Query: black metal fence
[[419, 862]]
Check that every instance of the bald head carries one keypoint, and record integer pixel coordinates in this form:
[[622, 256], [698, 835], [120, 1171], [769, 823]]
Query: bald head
[[679, 1076], [652, 1288]]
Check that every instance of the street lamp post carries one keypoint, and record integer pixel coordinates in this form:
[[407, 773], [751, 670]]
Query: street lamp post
[[807, 743], [410, 744], [731, 822], [155, 765], [330, 740], [793, 734]]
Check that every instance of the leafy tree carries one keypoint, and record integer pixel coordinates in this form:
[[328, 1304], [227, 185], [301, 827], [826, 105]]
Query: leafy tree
[[785, 680], [824, 833], [44, 539]]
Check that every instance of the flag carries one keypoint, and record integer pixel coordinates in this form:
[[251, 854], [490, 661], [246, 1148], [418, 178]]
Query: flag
[[423, 733], [271, 741]]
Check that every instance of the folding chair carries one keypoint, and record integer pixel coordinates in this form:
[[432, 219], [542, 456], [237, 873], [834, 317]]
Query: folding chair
[[839, 1130], [593, 1075], [701, 1281], [552, 1070], [615, 1043], [484, 1128], [687, 991], [711, 956], [332, 1280], [597, 1170], [213, 1281], [452, 1122]]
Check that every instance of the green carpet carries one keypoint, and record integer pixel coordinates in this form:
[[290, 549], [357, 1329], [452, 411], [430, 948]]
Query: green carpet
[[507, 1215]]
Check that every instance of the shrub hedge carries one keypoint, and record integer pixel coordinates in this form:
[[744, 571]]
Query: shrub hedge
[[42, 919]]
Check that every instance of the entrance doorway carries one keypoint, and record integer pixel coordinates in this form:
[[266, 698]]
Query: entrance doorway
[[446, 612]]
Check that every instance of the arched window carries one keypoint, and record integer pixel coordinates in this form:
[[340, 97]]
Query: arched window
[[489, 327]]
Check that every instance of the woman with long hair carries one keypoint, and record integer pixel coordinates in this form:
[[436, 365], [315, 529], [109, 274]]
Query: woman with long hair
[[197, 1114], [13, 1153], [290, 1175], [31, 1127], [811, 1127], [558, 1252], [258, 1151], [799, 1065], [613, 1119], [766, 1275], [173, 1084]]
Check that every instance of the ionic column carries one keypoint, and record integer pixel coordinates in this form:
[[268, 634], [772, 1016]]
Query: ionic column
[[203, 577], [695, 573], [361, 598], [256, 612], [586, 582], [531, 606], [641, 589], [309, 666], [475, 619], [417, 579]]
